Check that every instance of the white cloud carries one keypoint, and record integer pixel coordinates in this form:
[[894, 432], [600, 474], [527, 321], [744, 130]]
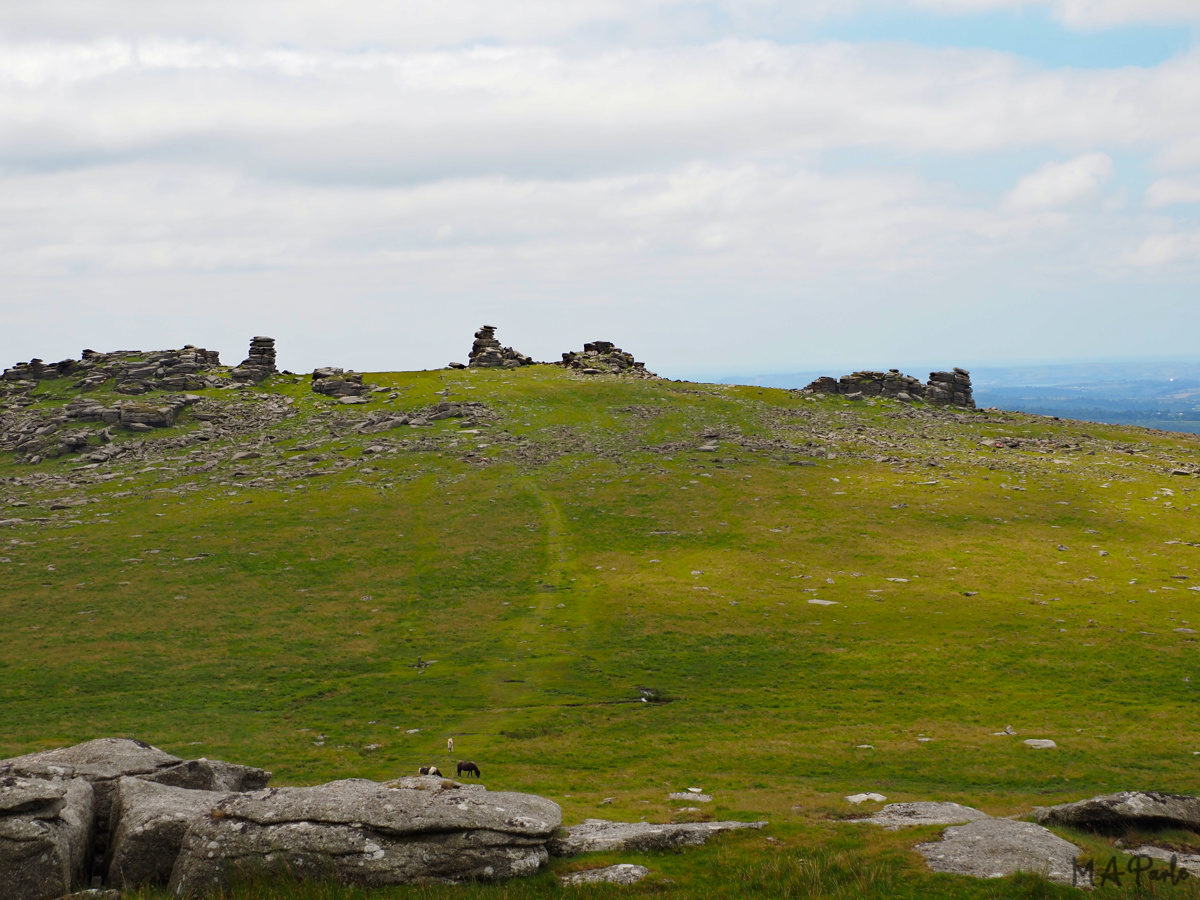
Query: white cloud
[[1057, 185], [1083, 14], [1160, 249], [1169, 191]]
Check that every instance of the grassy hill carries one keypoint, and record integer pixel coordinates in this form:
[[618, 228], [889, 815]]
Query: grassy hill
[[600, 609]]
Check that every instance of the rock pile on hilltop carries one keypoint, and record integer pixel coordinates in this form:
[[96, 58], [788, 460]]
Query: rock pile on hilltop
[[942, 389], [132, 372], [260, 364], [334, 382], [605, 358], [486, 352]]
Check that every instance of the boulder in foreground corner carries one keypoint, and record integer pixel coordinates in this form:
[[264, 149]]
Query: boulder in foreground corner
[[45, 836], [622, 873], [1116, 812], [595, 835], [365, 833], [908, 815], [993, 848], [149, 823]]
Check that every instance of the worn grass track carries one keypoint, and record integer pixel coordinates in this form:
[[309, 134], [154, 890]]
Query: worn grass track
[[589, 554]]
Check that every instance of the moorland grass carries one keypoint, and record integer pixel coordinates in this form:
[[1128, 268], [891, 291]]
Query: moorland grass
[[549, 593]]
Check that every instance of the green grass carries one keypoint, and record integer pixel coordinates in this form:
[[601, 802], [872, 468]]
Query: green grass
[[594, 554]]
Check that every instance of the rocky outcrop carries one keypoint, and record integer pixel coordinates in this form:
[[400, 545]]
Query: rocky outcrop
[[993, 848], [131, 371], [605, 358], [595, 835], [104, 762], [1123, 810], [45, 836], [486, 352], [908, 815], [622, 873], [942, 389], [149, 823], [331, 381], [260, 364], [365, 833]]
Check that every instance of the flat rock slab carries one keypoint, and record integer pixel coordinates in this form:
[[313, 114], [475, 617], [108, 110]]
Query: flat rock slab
[[1040, 744], [1116, 812], [685, 795], [45, 836], [149, 824], [622, 873], [595, 835], [909, 815], [863, 798], [364, 833], [993, 848]]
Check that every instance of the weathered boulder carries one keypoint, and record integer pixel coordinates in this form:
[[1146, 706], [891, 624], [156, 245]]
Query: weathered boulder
[[600, 834], [622, 873], [149, 823], [45, 836], [1116, 812], [993, 848], [907, 815], [366, 833], [211, 775]]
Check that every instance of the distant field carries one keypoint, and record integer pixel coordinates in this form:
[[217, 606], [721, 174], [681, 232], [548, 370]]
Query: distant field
[[602, 610]]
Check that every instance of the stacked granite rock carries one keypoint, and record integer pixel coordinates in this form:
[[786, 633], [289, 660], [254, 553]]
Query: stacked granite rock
[[605, 358], [943, 388], [133, 372], [260, 364], [950, 388], [334, 382], [486, 352]]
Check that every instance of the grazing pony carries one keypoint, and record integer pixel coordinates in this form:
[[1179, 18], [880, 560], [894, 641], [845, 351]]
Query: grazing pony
[[469, 767], [430, 770]]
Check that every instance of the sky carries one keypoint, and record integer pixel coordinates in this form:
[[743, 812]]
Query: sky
[[718, 187]]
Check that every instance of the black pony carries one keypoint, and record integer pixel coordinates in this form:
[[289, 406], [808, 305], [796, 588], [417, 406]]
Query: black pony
[[468, 767]]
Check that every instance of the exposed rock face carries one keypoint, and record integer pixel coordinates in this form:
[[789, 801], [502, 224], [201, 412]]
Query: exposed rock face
[[622, 873], [149, 822], [943, 388], [334, 382], [364, 833], [595, 835], [45, 836], [103, 762], [486, 352], [993, 848], [132, 371], [260, 364], [1117, 812], [907, 815], [605, 358]]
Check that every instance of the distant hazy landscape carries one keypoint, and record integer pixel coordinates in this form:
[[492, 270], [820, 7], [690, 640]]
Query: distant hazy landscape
[[1153, 394]]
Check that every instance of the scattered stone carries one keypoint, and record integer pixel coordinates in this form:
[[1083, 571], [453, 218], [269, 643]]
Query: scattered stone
[[1190, 862], [1126, 809], [622, 873], [596, 835], [908, 815], [45, 836], [605, 358], [815, 602], [486, 352], [363, 833], [994, 848], [690, 797], [862, 798], [1040, 744], [1008, 730]]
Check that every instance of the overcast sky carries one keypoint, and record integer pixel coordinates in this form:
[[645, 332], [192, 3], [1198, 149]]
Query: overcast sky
[[718, 187]]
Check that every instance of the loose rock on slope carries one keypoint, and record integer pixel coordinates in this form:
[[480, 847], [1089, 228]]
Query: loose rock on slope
[[1112, 812], [908, 815], [993, 848]]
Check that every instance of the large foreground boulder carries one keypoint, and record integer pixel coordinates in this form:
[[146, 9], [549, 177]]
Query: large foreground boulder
[[1126, 809], [45, 836], [600, 834], [149, 823], [364, 833], [993, 848]]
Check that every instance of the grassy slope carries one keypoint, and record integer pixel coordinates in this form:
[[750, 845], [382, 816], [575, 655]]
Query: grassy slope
[[551, 586]]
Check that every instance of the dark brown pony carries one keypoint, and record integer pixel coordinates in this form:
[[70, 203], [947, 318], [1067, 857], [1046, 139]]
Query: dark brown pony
[[469, 767]]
